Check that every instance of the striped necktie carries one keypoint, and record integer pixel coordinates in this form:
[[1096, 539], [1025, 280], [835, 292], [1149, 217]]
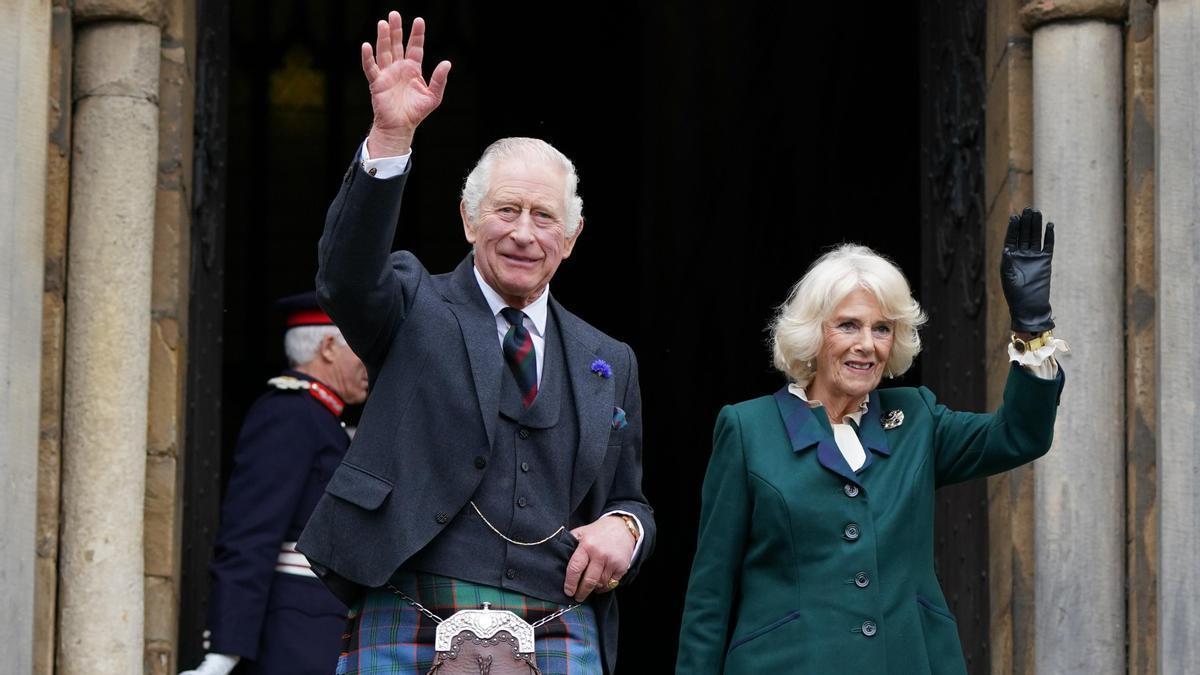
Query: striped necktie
[[520, 355]]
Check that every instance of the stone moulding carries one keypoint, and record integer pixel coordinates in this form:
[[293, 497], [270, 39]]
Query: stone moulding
[[1040, 12], [149, 11]]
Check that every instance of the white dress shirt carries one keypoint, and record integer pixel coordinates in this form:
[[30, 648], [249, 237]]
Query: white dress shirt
[[535, 318]]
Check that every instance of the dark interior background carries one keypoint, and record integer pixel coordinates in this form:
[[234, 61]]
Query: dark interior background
[[721, 146]]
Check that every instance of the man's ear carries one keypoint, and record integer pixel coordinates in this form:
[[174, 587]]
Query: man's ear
[[570, 245], [468, 228], [326, 351]]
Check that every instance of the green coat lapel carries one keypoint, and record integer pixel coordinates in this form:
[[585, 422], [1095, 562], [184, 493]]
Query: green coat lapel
[[807, 429]]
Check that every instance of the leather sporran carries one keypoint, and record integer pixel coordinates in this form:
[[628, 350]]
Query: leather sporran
[[484, 642]]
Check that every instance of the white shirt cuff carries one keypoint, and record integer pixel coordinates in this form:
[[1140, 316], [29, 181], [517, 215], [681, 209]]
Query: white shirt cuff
[[1041, 361], [637, 545], [384, 167]]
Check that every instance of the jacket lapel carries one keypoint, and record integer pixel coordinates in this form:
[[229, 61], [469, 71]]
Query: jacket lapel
[[594, 397], [478, 327], [871, 432], [806, 429]]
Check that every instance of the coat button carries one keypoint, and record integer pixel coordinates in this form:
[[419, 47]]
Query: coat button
[[511, 573], [851, 532], [869, 629], [851, 490], [521, 502], [523, 434], [442, 518], [525, 467], [480, 462], [861, 580]]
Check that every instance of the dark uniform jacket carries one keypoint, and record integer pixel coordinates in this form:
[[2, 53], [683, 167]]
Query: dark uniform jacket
[[429, 432], [288, 448], [804, 566]]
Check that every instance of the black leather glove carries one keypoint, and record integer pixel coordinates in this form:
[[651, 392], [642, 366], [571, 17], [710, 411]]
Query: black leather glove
[[1025, 272]]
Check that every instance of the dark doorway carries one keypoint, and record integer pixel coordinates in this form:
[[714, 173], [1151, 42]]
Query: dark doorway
[[721, 147]]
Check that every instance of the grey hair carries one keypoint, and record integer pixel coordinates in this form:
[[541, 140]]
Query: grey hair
[[796, 332], [302, 342], [476, 185]]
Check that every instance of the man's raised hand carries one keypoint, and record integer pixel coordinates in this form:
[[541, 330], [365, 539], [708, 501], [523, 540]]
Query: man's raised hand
[[400, 97]]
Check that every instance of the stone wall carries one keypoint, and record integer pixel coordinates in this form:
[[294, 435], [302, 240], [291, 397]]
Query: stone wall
[[152, 336], [24, 48], [1008, 184], [168, 335]]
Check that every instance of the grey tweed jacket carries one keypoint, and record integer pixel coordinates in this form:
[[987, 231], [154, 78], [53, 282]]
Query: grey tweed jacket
[[430, 347]]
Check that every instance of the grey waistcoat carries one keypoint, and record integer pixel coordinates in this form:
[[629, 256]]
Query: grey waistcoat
[[525, 493]]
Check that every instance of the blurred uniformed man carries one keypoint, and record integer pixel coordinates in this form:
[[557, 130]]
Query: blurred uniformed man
[[268, 613]]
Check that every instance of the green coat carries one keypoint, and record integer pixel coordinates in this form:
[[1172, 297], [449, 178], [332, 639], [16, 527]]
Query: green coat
[[804, 566]]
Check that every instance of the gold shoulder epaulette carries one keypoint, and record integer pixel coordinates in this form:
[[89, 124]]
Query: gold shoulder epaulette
[[287, 382]]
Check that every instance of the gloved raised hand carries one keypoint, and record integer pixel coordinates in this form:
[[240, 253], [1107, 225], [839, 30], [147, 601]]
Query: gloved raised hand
[[1025, 272], [214, 664]]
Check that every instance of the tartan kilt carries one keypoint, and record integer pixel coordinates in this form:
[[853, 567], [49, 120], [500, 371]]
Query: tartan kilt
[[386, 634]]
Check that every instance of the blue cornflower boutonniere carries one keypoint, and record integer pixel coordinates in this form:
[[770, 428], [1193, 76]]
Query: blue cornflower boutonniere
[[601, 368]]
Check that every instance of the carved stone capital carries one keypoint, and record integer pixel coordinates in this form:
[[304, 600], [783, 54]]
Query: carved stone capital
[[1037, 13], [149, 11]]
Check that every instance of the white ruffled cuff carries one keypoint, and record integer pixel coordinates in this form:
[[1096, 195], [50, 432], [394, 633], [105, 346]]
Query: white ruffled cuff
[[1041, 361]]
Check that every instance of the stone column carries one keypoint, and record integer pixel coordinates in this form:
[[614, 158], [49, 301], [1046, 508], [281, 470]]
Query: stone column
[[114, 162], [1177, 33], [1079, 487], [24, 50]]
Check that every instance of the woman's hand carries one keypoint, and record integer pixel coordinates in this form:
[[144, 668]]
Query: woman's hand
[[400, 97], [1025, 272]]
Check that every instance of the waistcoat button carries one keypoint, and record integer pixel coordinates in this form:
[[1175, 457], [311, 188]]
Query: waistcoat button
[[851, 532], [869, 628]]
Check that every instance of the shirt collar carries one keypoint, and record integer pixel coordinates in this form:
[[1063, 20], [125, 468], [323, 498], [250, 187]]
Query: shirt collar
[[797, 390], [536, 311]]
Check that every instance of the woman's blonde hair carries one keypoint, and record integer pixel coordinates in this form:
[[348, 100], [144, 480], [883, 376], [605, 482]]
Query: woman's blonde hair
[[796, 332]]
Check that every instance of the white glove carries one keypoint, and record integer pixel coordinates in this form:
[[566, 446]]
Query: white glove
[[214, 664]]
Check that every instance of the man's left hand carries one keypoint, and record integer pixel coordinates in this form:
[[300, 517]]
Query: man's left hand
[[604, 553]]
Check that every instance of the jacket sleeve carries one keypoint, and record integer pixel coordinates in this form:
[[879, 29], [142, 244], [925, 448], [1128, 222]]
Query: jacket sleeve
[[625, 494], [364, 289], [971, 445], [724, 527], [272, 463]]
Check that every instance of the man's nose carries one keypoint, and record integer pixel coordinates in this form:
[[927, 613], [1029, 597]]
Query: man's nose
[[522, 230]]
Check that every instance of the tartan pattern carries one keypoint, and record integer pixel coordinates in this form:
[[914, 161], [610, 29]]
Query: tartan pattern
[[386, 635], [520, 355]]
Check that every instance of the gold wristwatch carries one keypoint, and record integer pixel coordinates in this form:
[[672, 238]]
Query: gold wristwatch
[[1032, 344], [631, 524]]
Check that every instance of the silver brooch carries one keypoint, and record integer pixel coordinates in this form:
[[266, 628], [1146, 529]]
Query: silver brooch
[[892, 419]]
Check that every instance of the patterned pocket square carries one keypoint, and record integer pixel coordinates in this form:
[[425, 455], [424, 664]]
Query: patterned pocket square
[[618, 421]]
